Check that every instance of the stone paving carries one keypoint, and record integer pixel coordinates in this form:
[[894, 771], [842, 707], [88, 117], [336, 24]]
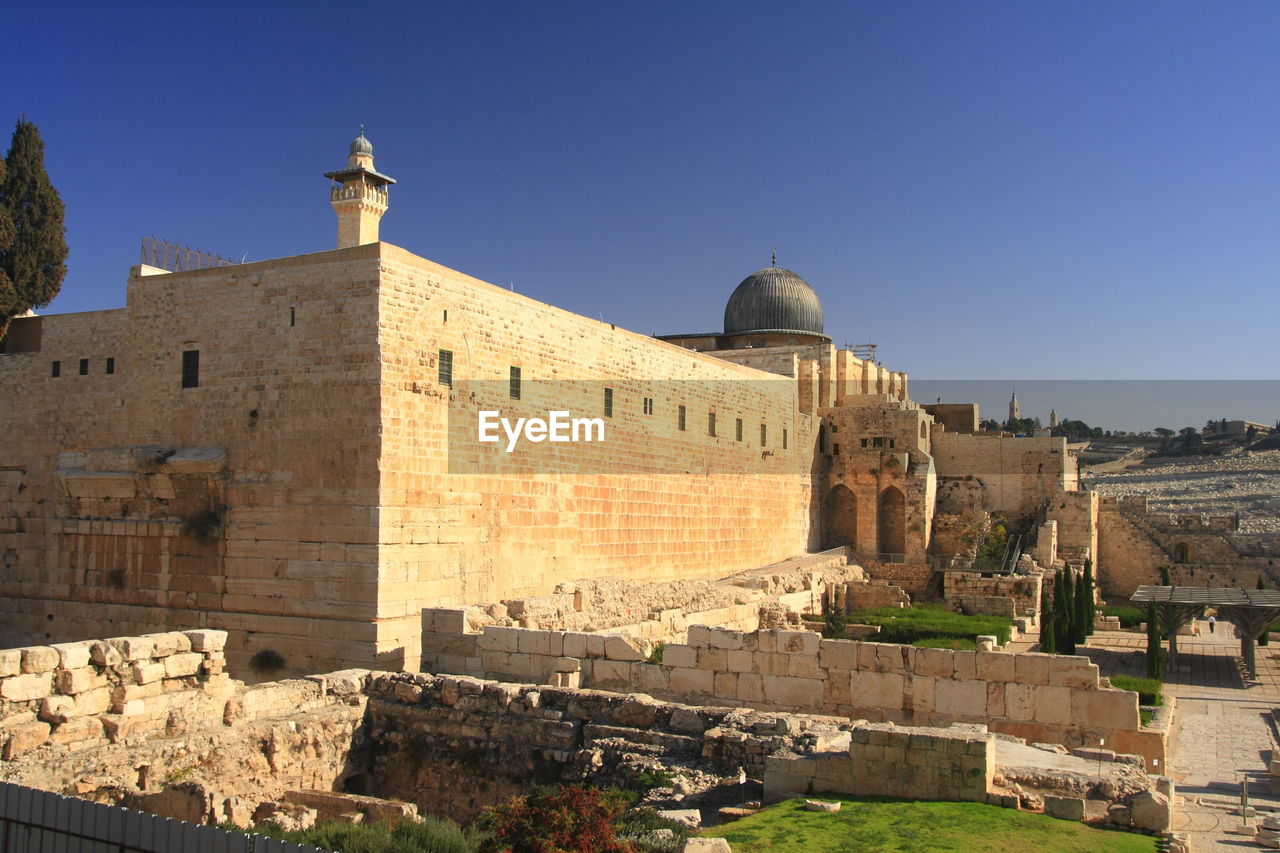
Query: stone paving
[[1223, 728]]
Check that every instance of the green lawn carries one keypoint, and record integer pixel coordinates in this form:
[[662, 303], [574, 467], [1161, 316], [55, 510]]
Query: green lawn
[[876, 825], [929, 621]]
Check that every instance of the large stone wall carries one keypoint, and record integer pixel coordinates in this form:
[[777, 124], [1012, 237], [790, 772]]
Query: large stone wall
[[1022, 591], [1016, 475], [1039, 697]]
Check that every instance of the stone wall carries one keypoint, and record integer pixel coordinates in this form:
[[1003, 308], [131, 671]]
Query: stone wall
[[1040, 697], [886, 761], [1016, 475], [1023, 591], [96, 692], [914, 578]]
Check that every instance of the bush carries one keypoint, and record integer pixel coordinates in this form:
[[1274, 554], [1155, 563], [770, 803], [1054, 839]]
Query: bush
[[568, 819], [1130, 617], [931, 622], [1148, 689]]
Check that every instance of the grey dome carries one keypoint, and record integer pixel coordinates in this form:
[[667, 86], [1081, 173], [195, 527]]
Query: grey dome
[[773, 300], [361, 145]]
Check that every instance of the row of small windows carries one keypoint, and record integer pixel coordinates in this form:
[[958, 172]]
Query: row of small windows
[[444, 364], [108, 367]]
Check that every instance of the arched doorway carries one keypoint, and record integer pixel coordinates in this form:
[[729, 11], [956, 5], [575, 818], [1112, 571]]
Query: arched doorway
[[1182, 553], [893, 521], [840, 518]]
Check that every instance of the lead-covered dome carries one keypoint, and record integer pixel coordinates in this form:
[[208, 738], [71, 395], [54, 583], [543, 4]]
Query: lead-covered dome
[[361, 145], [773, 300]]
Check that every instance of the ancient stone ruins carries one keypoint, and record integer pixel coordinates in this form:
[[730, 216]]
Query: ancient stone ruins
[[257, 563]]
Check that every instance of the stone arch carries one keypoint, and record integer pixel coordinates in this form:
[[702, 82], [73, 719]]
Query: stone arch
[[924, 430], [1182, 553], [892, 521], [840, 518]]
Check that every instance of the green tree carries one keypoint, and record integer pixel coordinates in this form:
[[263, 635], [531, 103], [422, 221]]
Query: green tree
[[1048, 635], [1155, 654], [1088, 610], [33, 257], [1166, 577], [1079, 626], [1265, 638], [1063, 613]]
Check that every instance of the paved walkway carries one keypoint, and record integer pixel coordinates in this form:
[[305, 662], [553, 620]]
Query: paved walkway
[[1222, 732]]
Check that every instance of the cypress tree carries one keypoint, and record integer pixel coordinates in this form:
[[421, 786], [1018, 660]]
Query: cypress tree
[[1166, 578], [1080, 632], [1265, 638], [1048, 640], [7, 294], [1155, 654], [1063, 611], [33, 258], [1090, 610]]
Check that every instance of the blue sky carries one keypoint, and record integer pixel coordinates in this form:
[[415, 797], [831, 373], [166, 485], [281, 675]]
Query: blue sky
[[1042, 190]]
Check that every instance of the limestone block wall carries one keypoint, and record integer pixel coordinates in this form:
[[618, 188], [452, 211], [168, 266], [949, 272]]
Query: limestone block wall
[[1047, 698], [912, 577], [919, 763], [1016, 474], [91, 693], [1076, 514], [1023, 591]]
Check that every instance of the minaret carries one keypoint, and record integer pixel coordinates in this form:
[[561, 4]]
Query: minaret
[[1015, 411], [359, 195], [1053, 418]]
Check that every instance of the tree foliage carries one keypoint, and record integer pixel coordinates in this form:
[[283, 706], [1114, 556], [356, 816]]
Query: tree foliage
[[1048, 633], [1064, 613], [1088, 610], [33, 245], [1155, 654]]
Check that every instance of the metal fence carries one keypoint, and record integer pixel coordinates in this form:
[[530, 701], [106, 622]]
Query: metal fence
[[35, 821]]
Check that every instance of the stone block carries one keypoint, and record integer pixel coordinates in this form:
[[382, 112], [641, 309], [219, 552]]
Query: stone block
[[803, 693], [134, 648], [621, 647], [960, 698], [80, 731], [995, 699], [72, 655], [1064, 808], [740, 660], [10, 662], [722, 638], [533, 643], [57, 709], [1150, 810], [567, 665], [799, 642], [182, 665], [145, 672], [104, 654], [21, 739], [751, 688], [966, 665], [934, 663], [37, 659], [1103, 709], [207, 640], [996, 666], [676, 654], [1031, 668], [636, 711], [1119, 814], [1073, 672], [1020, 702], [499, 638], [1053, 705], [699, 636], [726, 686], [610, 672], [169, 643], [883, 690], [687, 721], [93, 702], [575, 645], [692, 682], [838, 654], [706, 845], [24, 688]]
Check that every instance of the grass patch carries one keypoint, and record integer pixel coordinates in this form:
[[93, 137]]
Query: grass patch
[[430, 835], [1148, 689], [882, 825], [1130, 617], [931, 622], [960, 644]]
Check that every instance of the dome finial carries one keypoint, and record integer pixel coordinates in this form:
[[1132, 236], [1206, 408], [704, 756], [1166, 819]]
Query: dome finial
[[775, 256]]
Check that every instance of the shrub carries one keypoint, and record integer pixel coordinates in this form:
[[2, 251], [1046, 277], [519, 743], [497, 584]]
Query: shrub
[[568, 819], [931, 622], [1148, 689], [655, 656], [430, 835]]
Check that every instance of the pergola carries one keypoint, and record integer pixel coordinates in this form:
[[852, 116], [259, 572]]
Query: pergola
[[1250, 610]]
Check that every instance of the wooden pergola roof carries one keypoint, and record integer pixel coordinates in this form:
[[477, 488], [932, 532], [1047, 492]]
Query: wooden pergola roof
[[1252, 611], [1207, 596]]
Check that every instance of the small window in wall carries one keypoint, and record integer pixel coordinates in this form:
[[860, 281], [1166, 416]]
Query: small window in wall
[[864, 442], [711, 423], [446, 315], [680, 423], [293, 316], [764, 435], [822, 438], [191, 368], [737, 432], [784, 438], [835, 449], [445, 364], [892, 441], [56, 369], [514, 383], [608, 402], [877, 442], [648, 405], [84, 367], [111, 365]]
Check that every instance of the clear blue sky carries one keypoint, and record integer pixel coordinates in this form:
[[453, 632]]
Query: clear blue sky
[[1084, 190]]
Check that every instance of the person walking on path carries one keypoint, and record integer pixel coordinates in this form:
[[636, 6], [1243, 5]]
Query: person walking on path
[[1213, 620]]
